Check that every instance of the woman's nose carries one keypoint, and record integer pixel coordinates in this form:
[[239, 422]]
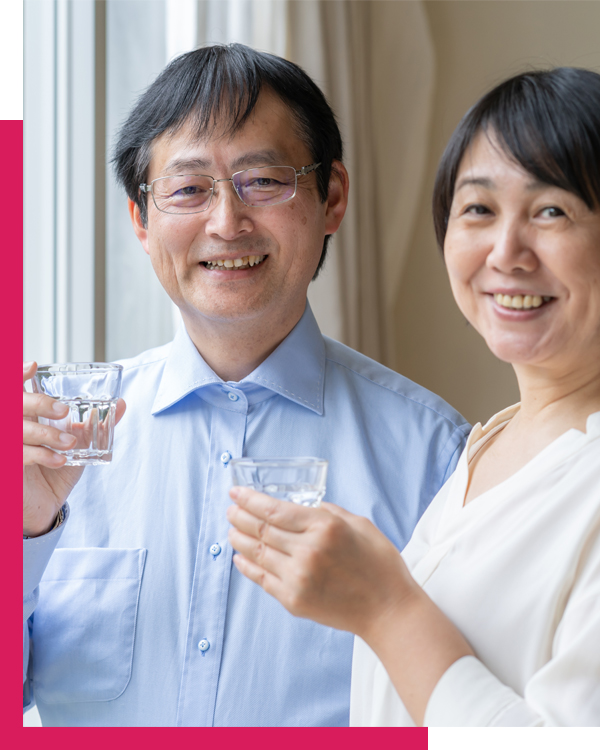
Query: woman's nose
[[512, 249]]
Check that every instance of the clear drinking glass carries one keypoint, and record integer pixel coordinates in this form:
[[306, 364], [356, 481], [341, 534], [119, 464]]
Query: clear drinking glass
[[90, 390], [300, 480]]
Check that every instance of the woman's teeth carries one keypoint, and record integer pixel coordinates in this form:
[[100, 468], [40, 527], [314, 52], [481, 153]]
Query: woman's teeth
[[238, 263], [520, 301]]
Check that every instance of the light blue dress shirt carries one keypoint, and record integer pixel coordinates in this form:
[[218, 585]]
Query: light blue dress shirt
[[140, 617]]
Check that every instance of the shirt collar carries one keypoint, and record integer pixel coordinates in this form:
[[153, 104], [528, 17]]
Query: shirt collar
[[295, 370]]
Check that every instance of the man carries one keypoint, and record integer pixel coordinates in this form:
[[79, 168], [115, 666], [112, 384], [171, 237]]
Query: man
[[232, 164]]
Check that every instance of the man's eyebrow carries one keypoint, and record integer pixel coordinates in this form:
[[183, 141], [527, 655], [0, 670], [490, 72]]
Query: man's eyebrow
[[186, 165], [251, 159], [268, 157]]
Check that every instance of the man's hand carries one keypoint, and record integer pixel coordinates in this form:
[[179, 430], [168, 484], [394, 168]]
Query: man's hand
[[47, 482]]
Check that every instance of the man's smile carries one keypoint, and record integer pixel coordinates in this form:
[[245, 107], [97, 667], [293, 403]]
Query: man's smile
[[234, 264]]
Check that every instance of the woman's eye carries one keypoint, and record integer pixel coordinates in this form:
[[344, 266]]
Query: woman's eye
[[551, 212], [477, 209]]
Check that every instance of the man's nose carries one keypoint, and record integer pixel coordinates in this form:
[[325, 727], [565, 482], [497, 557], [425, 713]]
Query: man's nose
[[227, 217], [513, 248]]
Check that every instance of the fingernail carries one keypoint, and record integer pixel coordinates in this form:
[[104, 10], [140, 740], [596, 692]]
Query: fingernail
[[27, 365], [234, 492], [65, 438], [59, 408]]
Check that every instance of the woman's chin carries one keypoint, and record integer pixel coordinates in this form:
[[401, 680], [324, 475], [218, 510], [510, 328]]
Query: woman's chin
[[517, 349]]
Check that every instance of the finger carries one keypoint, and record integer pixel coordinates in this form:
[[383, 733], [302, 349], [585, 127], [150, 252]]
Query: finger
[[336, 510], [258, 552], [121, 407], [259, 529], [358, 523], [269, 582], [42, 456], [279, 513], [38, 405], [35, 433], [29, 369]]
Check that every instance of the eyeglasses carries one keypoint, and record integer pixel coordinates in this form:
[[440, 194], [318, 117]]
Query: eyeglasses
[[258, 187]]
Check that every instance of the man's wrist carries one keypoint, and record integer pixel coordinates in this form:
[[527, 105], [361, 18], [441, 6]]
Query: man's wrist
[[60, 517]]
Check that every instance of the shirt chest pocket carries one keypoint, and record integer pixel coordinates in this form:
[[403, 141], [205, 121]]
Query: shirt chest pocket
[[84, 624]]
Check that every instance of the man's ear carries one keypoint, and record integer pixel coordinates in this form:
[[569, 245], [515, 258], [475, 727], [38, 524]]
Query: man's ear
[[337, 197], [138, 226]]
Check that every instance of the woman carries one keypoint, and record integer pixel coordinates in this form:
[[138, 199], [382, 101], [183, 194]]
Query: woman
[[491, 616]]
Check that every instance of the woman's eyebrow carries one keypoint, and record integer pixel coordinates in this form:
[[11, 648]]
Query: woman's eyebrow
[[486, 182], [481, 181]]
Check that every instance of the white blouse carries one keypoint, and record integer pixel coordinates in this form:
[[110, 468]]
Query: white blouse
[[517, 570]]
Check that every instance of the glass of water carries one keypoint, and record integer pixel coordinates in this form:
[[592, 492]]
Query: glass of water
[[300, 480], [91, 391]]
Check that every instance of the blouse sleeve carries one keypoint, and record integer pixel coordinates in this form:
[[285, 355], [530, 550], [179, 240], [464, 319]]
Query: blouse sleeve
[[565, 691]]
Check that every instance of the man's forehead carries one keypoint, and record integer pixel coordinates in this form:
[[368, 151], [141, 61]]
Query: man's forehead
[[269, 136]]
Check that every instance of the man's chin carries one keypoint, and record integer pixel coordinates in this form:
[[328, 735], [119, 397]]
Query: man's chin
[[225, 311]]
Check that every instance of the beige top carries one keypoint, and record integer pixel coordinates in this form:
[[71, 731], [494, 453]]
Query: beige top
[[517, 570]]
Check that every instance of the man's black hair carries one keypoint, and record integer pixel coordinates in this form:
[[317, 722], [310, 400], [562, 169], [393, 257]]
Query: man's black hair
[[546, 121], [218, 86]]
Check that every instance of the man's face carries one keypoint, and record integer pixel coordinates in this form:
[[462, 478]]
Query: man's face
[[185, 248]]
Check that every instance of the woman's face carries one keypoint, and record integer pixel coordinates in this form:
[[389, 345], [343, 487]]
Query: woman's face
[[524, 262]]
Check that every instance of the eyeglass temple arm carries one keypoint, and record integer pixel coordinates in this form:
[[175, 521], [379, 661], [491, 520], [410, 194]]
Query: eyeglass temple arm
[[306, 170], [145, 188]]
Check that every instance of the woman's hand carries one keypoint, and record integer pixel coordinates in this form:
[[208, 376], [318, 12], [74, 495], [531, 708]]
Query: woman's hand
[[325, 563], [336, 568]]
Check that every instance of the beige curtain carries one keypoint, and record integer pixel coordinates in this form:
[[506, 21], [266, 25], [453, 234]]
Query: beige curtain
[[374, 59]]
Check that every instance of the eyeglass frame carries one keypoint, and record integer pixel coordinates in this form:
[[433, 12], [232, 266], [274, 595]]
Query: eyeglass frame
[[149, 187]]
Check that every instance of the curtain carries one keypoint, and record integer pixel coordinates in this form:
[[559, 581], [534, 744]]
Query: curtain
[[375, 62]]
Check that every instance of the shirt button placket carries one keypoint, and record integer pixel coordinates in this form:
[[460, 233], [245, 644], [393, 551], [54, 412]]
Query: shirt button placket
[[208, 607]]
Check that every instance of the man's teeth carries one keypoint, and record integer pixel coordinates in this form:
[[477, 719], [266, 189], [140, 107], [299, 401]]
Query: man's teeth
[[520, 301], [246, 262]]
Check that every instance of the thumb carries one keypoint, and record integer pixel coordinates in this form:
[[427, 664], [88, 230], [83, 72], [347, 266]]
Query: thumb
[[121, 406]]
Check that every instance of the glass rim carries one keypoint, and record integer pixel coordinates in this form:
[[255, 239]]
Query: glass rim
[[279, 462], [83, 367]]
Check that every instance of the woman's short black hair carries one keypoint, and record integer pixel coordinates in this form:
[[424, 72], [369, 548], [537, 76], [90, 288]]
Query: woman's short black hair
[[218, 86], [546, 121]]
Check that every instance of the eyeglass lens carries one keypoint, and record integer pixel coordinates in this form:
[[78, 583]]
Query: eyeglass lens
[[256, 187]]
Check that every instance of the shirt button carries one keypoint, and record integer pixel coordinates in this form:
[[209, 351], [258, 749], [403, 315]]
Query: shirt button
[[233, 396], [204, 645], [225, 457], [215, 549]]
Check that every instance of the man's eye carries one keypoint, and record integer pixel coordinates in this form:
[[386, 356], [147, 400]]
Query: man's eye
[[551, 212], [262, 182], [189, 190]]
